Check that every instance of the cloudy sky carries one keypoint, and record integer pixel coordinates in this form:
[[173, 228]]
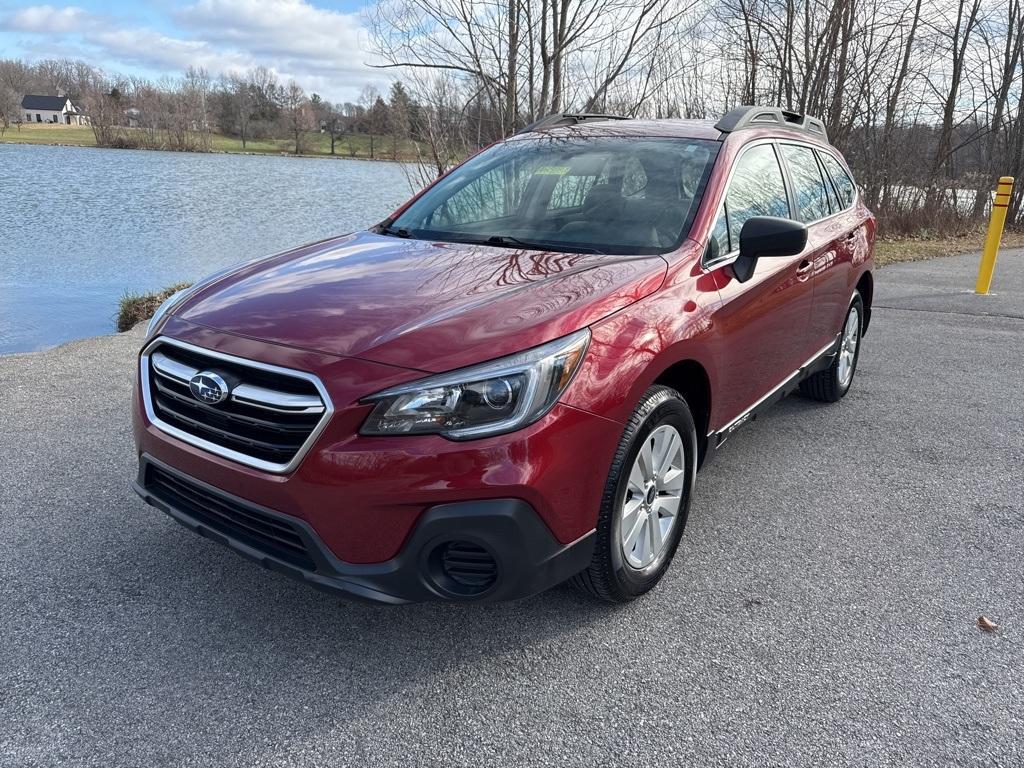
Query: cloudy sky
[[317, 42]]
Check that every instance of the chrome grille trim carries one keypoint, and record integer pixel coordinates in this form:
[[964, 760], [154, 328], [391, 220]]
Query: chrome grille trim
[[268, 399], [250, 394], [172, 368], [246, 394]]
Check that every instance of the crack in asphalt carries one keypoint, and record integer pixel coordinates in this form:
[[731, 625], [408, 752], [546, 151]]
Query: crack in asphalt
[[946, 312]]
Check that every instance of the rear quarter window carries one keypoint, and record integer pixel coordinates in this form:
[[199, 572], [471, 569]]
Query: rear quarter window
[[840, 178], [809, 188]]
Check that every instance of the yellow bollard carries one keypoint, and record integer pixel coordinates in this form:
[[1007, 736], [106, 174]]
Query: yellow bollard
[[995, 234]]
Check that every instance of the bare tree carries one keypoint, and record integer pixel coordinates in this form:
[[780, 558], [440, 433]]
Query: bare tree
[[241, 104], [196, 89], [1004, 46], [327, 117], [398, 116], [958, 33], [15, 77], [368, 100], [298, 114], [10, 107]]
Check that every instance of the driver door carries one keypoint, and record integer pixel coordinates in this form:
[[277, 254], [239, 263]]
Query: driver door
[[764, 322]]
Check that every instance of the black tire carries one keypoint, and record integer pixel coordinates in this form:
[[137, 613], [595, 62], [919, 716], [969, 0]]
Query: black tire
[[609, 577], [826, 385]]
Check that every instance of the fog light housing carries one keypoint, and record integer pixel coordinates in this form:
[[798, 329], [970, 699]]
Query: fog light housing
[[462, 568]]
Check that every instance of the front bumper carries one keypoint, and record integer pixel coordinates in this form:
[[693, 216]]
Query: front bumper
[[364, 496], [520, 555]]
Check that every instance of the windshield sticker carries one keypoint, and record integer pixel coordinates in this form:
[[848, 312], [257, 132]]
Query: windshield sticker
[[552, 170]]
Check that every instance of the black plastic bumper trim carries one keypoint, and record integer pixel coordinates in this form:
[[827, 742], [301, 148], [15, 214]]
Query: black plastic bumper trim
[[529, 558]]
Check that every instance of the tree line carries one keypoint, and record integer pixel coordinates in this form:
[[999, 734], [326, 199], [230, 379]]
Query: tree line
[[923, 98], [185, 113]]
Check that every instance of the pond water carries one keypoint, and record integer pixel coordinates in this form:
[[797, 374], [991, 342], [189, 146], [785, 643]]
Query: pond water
[[79, 227]]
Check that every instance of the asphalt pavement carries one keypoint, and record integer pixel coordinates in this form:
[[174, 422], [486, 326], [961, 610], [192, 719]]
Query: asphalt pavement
[[822, 610]]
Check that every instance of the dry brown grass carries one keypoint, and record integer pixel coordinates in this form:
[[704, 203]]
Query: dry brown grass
[[136, 307], [893, 251]]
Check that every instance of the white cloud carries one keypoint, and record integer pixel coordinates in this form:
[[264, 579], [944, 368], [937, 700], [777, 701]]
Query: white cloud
[[45, 19], [320, 48], [279, 28], [153, 49]]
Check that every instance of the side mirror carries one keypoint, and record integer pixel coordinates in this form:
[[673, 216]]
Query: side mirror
[[767, 236]]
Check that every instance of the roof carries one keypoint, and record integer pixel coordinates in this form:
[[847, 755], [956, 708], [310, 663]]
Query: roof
[[54, 103], [754, 122], [685, 129]]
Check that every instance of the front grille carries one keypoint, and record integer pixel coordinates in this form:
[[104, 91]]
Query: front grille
[[267, 420], [243, 523]]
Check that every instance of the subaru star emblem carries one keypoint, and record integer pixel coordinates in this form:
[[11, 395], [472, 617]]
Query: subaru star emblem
[[208, 387]]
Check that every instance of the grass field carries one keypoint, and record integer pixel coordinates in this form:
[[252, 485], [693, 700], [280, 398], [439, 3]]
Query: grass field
[[75, 135], [316, 144], [920, 249], [353, 145]]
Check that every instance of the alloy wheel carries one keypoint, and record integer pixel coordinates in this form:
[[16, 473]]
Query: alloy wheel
[[848, 347], [654, 496]]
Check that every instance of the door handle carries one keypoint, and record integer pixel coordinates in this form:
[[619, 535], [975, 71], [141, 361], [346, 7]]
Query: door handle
[[804, 269], [850, 237]]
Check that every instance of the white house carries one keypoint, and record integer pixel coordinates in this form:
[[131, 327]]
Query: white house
[[52, 109]]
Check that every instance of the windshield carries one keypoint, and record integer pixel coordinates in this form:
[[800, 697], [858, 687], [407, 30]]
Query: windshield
[[600, 194]]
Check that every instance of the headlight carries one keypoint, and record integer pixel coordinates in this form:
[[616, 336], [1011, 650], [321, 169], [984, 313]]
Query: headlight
[[488, 399], [154, 321]]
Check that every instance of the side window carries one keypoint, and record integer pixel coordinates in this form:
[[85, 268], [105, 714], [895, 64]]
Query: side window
[[841, 179], [830, 188], [808, 185], [756, 189]]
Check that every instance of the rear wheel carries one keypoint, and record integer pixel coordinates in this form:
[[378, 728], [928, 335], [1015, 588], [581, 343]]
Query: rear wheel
[[646, 499], [830, 385]]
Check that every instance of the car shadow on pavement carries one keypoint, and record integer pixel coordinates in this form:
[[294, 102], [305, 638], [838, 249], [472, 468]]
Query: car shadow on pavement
[[218, 587]]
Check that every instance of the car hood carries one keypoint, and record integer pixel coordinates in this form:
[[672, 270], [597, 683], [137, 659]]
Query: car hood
[[426, 305]]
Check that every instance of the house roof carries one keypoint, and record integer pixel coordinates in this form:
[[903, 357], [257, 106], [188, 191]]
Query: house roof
[[55, 103]]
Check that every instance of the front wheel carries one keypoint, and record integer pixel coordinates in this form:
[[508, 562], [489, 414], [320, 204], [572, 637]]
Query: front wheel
[[830, 385], [646, 499]]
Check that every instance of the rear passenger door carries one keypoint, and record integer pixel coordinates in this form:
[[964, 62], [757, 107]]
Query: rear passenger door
[[763, 321], [828, 251], [848, 226]]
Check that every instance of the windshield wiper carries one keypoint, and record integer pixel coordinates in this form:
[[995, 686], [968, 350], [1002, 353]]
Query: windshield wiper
[[540, 245], [389, 230], [498, 240]]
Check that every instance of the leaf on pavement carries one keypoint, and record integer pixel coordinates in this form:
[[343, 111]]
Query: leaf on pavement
[[986, 624]]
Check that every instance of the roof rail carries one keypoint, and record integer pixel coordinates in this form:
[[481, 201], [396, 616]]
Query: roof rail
[[766, 117], [566, 118]]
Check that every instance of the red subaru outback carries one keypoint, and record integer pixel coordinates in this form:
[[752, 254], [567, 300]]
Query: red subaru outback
[[512, 380]]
